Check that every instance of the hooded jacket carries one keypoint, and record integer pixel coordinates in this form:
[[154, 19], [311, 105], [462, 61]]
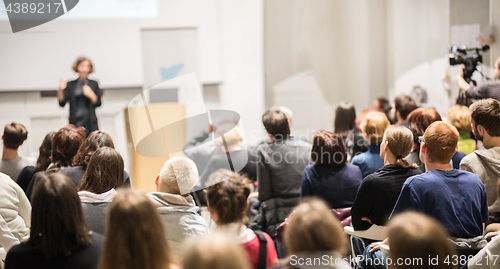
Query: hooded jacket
[[485, 163], [180, 217]]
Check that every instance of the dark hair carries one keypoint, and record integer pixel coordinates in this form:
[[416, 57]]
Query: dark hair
[[328, 149], [14, 134], [66, 143], [345, 119], [419, 119], [229, 198], [276, 123], [486, 113], [95, 140], [104, 171], [79, 60], [404, 104], [383, 104], [45, 151], [57, 223]]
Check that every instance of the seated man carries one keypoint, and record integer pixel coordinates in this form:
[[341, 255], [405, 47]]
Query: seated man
[[176, 206], [11, 164], [485, 163]]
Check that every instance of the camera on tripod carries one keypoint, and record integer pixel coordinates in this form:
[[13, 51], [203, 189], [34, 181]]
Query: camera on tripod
[[470, 58]]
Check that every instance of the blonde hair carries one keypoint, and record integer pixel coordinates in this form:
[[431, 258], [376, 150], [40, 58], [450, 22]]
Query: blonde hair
[[178, 176], [313, 228], [215, 251], [459, 116], [134, 236], [232, 135], [399, 139], [373, 125], [441, 140], [419, 238]]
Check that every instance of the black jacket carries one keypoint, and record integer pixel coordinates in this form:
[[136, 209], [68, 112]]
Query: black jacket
[[69, 96]]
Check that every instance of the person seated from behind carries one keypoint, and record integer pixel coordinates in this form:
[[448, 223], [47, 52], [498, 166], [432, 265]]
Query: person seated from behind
[[373, 126], [402, 107], [104, 174], [379, 191], [43, 161], [485, 162], [135, 237], [11, 164], [312, 233], [228, 205], [65, 145], [94, 141], [59, 236], [459, 116], [15, 208], [177, 209], [330, 178], [216, 251], [418, 121], [345, 126]]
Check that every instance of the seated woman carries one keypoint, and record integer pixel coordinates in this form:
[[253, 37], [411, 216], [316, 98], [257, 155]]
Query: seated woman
[[42, 163], [373, 126], [314, 233], [330, 178], [104, 174], [15, 208], [379, 191], [94, 141], [345, 126], [227, 204], [59, 236], [135, 237]]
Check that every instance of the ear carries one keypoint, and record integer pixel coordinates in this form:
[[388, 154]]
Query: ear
[[386, 146], [157, 180], [480, 130], [2, 137]]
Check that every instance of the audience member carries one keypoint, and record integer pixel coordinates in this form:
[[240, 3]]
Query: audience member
[[379, 191], [216, 251], [345, 126], [422, 240], [373, 126], [312, 234], [228, 205], [94, 141], [485, 163], [65, 144], [11, 164], [177, 209], [418, 121], [330, 178], [134, 236], [43, 161], [279, 171], [7, 239], [459, 116], [15, 207], [402, 107], [104, 174], [59, 236]]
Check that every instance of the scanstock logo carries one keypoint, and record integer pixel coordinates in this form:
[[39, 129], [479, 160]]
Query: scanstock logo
[[26, 14]]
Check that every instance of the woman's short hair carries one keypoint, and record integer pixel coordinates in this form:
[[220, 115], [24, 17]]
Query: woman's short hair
[[215, 251], [345, 119], [232, 135], [14, 134], [419, 119], [104, 171], [229, 198], [276, 123], [313, 228], [328, 149], [459, 116], [95, 140], [441, 140], [57, 222], [178, 176], [79, 60], [419, 238], [135, 237], [373, 125], [399, 139], [44, 153], [66, 143]]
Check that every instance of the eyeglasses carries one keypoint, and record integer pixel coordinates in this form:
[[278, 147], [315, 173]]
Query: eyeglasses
[[421, 139]]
